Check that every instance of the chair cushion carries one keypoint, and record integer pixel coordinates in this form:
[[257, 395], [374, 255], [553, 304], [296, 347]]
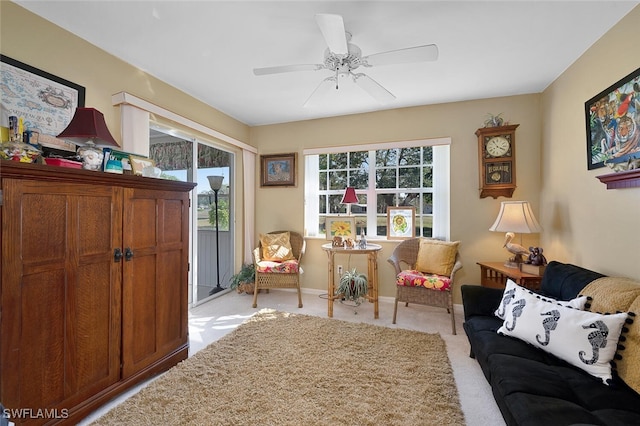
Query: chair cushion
[[415, 278], [436, 257], [286, 267], [276, 247]]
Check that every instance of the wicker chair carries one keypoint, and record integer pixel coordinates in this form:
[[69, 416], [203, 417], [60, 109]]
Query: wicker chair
[[284, 274], [407, 253]]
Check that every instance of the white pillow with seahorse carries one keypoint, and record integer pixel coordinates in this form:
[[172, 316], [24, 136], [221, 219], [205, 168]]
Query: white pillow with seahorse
[[585, 339], [511, 288]]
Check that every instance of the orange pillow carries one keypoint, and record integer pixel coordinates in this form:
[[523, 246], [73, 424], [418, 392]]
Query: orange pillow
[[276, 247], [436, 257]]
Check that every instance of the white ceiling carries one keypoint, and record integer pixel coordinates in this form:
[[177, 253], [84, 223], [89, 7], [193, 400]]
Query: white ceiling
[[208, 49]]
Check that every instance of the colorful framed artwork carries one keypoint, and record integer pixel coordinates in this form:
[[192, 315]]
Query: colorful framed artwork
[[401, 222], [278, 170], [45, 102], [340, 226], [612, 118]]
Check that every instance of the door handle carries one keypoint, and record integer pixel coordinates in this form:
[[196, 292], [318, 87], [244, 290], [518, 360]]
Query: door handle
[[128, 254], [117, 255]]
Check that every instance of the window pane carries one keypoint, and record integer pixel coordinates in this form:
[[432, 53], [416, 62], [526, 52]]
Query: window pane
[[427, 177], [383, 201], [409, 156], [322, 181], [427, 155], [427, 203], [410, 200], [335, 206], [338, 161], [322, 161], [386, 157], [338, 180], [322, 204], [359, 159], [409, 177], [386, 178], [359, 179]]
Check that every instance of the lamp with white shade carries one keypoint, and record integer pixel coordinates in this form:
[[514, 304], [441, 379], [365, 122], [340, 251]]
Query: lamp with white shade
[[515, 216]]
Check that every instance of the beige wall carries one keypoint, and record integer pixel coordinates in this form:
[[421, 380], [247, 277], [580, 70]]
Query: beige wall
[[585, 223], [471, 217]]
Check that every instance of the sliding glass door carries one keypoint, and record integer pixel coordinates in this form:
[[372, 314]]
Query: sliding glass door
[[185, 158]]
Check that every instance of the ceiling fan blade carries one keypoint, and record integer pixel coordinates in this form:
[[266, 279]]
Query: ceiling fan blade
[[428, 52], [332, 28], [373, 88], [321, 91], [287, 68]]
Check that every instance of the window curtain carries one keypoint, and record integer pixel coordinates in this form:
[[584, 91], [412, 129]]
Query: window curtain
[[249, 168], [177, 156]]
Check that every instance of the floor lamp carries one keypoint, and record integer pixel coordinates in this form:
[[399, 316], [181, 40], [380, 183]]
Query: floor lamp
[[216, 183]]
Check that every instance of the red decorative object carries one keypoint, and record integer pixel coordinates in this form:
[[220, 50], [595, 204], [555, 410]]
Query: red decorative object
[[349, 196], [86, 125]]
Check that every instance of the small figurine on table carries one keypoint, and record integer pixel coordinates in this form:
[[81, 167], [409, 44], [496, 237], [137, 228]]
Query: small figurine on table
[[536, 257]]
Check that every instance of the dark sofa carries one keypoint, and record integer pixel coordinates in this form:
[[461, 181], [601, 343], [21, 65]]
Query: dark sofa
[[530, 386]]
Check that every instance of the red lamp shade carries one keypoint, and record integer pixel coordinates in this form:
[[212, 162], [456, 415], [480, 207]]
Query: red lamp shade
[[349, 196], [88, 127]]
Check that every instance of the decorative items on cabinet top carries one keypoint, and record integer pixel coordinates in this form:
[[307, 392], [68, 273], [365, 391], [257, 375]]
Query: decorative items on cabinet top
[[15, 169]]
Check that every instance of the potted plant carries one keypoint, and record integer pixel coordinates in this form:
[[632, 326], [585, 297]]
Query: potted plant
[[353, 285], [244, 280]]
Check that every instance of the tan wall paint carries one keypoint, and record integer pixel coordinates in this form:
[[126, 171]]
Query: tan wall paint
[[471, 217], [585, 223], [30, 39], [35, 41]]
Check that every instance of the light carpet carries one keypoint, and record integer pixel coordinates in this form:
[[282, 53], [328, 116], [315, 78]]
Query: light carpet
[[288, 369]]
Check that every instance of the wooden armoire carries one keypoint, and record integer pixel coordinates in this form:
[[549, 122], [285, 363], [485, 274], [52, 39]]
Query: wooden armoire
[[94, 286]]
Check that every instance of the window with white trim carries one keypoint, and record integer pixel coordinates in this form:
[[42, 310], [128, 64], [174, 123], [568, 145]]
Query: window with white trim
[[401, 174]]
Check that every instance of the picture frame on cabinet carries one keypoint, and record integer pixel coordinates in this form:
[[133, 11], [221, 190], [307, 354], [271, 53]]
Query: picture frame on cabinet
[[612, 122], [278, 170], [138, 163], [29, 89]]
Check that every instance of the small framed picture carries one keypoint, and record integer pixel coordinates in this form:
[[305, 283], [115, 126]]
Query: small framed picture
[[400, 222], [340, 226], [138, 163], [278, 170]]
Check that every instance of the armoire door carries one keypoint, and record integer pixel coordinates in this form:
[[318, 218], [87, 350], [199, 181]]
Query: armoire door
[[155, 278], [61, 292]]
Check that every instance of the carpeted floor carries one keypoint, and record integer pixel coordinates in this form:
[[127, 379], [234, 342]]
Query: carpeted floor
[[289, 369]]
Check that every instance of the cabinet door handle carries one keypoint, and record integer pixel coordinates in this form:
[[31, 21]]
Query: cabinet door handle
[[117, 255], [128, 254]]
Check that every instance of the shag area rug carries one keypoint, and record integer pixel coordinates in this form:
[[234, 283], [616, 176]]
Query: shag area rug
[[289, 369]]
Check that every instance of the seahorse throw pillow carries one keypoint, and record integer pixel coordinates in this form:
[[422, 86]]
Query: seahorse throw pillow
[[585, 339], [512, 290]]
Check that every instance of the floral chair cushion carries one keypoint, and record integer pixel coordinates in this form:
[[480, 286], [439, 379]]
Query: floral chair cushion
[[286, 267], [414, 278]]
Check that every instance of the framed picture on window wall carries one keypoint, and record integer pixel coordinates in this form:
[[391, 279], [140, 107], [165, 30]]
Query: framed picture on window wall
[[400, 222], [340, 226], [278, 170]]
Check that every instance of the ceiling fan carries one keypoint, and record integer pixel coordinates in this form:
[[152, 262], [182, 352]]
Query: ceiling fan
[[343, 57]]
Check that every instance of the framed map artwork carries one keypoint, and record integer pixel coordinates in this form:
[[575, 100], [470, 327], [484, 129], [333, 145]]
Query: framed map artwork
[[45, 102]]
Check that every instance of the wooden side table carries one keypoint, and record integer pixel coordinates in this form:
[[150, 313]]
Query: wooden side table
[[372, 268], [495, 275]]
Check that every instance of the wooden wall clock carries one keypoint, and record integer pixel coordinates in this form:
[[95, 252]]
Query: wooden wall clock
[[497, 160]]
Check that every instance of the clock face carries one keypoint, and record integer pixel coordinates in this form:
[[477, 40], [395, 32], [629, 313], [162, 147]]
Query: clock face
[[498, 146]]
